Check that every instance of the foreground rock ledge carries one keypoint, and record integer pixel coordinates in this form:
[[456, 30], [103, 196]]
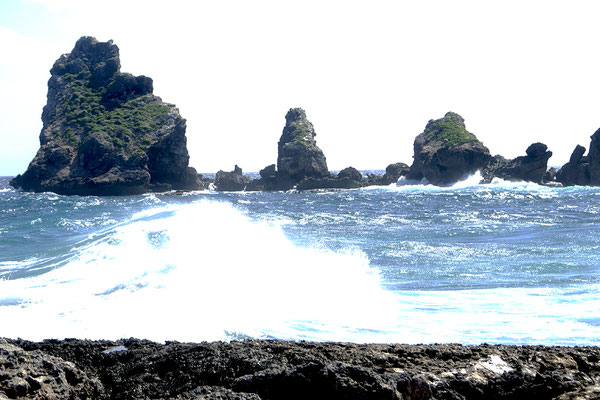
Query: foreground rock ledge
[[253, 369]]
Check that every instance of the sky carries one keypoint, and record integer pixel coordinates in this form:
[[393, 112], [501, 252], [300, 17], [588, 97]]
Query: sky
[[369, 74]]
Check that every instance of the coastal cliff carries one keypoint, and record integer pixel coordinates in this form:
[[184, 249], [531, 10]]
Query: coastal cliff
[[272, 370], [105, 132]]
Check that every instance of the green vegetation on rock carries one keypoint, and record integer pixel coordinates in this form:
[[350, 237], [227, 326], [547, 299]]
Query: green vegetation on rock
[[85, 111], [450, 129]]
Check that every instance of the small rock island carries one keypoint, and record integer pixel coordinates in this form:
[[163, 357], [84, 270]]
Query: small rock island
[[105, 132]]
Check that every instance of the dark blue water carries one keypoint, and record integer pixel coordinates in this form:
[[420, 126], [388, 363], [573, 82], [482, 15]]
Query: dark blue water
[[506, 263]]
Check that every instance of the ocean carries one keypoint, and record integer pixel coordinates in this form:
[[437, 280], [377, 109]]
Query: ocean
[[512, 263]]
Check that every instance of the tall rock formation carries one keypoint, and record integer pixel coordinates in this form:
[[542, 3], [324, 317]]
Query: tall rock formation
[[446, 152], [298, 155], [582, 170], [104, 132]]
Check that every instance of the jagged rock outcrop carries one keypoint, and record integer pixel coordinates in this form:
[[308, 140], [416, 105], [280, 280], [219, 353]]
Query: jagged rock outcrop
[[104, 132], [273, 370], [446, 152], [231, 181], [582, 170], [298, 155], [531, 168], [393, 172], [37, 375]]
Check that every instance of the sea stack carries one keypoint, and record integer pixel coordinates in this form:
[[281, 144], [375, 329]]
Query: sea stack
[[298, 155], [105, 132], [446, 152], [582, 170]]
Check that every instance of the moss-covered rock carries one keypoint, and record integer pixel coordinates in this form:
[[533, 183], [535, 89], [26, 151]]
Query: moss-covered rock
[[446, 152], [105, 132], [298, 154]]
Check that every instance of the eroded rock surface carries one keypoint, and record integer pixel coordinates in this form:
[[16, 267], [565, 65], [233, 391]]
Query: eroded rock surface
[[582, 170], [298, 155], [533, 167], [104, 132], [231, 181], [446, 152], [272, 370]]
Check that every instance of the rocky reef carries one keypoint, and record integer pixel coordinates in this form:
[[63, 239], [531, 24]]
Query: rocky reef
[[272, 370], [582, 170], [104, 132]]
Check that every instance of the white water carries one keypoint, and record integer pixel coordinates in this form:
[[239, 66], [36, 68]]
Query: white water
[[195, 272], [205, 271]]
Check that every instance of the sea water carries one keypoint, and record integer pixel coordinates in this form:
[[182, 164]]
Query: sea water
[[513, 263]]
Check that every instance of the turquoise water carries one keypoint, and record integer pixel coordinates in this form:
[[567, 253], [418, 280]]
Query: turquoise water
[[498, 263]]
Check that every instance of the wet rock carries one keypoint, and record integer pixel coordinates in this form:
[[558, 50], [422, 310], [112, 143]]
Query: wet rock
[[393, 172], [348, 178], [231, 181], [531, 168], [446, 152]]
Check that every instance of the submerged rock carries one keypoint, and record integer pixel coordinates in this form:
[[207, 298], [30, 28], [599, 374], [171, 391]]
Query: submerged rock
[[582, 170], [104, 132], [299, 370], [446, 152]]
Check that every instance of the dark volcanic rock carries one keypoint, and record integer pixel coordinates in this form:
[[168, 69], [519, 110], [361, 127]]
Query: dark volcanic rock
[[37, 375], [298, 155], [104, 132], [582, 170], [231, 181], [446, 152], [348, 178], [393, 172], [350, 173], [272, 370], [530, 168]]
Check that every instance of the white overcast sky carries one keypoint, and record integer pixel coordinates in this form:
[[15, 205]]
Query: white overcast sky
[[369, 74]]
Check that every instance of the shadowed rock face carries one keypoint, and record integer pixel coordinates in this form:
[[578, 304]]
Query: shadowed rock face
[[274, 370], [298, 155], [446, 152], [531, 168], [582, 170], [231, 181], [104, 132]]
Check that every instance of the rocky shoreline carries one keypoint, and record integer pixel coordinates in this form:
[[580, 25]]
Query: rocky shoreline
[[270, 370]]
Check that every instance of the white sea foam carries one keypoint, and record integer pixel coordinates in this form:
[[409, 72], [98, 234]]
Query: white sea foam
[[472, 181], [203, 270], [194, 272]]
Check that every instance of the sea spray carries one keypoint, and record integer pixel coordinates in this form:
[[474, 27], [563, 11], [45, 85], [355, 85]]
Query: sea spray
[[196, 272]]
